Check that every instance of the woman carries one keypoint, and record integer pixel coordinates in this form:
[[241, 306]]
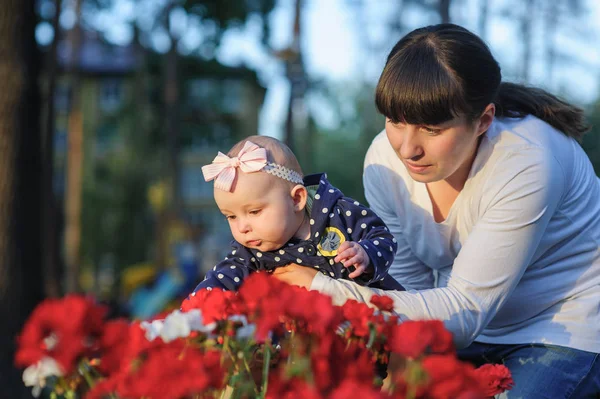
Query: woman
[[485, 182]]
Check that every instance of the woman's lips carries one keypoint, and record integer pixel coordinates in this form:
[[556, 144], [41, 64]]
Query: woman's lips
[[417, 168]]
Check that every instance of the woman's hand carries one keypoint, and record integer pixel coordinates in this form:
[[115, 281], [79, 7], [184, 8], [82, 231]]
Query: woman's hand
[[295, 274]]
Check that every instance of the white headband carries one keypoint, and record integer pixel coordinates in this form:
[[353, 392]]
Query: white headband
[[251, 158]]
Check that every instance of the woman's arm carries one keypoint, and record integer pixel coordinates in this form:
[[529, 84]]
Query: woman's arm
[[384, 190], [492, 260]]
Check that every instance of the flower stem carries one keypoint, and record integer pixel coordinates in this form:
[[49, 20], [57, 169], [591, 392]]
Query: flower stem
[[84, 370], [266, 365]]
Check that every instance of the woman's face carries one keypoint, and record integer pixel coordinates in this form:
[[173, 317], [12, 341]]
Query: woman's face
[[432, 153]]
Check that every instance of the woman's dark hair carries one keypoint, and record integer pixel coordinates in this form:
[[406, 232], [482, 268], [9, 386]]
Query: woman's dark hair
[[438, 72]]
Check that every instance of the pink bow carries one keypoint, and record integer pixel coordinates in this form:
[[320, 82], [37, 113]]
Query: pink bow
[[251, 158]]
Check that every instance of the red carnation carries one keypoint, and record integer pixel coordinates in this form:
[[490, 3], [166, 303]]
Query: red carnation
[[494, 378], [384, 303], [64, 329], [416, 338], [281, 387], [166, 371], [215, 304], [353, 389], [359, 315], [449, 378], [113, 344]]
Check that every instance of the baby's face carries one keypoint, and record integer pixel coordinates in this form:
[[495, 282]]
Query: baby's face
[[260, 211]]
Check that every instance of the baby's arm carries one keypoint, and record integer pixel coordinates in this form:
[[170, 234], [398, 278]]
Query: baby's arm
[[371, 242], [229, 273]]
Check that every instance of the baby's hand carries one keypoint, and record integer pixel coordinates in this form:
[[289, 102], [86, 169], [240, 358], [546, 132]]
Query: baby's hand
[[352, 253]]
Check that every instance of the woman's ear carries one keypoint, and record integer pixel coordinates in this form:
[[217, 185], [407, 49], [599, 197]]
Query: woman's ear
[[299, 196], [486, 118]]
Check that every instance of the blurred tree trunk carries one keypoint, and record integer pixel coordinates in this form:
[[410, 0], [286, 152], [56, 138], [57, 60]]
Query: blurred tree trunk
[[527, 34], [551, 22], [50, 232], [297, 79], [171, 94], [484, 10], [74, 162], [21, 283], [444, 10]]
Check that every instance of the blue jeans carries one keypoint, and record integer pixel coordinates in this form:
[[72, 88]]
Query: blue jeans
[[541, 371]]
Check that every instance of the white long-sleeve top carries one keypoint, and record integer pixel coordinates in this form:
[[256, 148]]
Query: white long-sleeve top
[[518, 256]]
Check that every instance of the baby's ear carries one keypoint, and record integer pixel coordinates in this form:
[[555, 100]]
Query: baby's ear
[[299, 195]]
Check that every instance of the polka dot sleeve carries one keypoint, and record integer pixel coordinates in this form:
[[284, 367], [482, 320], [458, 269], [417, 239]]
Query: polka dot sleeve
[[229, 273], [366, 228]]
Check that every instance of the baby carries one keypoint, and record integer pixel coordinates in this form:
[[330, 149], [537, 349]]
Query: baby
[[277, 217]]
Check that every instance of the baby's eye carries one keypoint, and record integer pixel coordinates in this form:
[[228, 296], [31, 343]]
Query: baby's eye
[[230, 217], [255, 211]]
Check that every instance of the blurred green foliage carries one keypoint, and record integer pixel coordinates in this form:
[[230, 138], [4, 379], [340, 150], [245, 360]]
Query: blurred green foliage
[[591, 141]]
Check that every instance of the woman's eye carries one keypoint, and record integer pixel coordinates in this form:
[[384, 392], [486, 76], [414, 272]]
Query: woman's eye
[[431, 130]]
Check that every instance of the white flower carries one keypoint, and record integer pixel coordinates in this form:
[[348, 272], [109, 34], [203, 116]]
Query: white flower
[[36, 374], [238, 318], [246, 331], [153, 329], [196, 321], [177, 325]]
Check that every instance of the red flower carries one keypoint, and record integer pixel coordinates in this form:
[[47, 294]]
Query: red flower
[[384, 303], [312, 309], [64, 329], [449, 378], [359, 315], [353, 389], [166, 371], [416, 338], [113, 344], [334, 360], [215, 304], [280, 387], [494, 378]]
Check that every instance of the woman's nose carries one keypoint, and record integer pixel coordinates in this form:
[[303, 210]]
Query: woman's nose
[[410, 148]]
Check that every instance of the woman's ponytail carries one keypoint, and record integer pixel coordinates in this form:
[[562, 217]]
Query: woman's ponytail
[[515, 100]]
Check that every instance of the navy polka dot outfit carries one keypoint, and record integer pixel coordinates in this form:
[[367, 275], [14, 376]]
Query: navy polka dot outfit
[[333, 220]]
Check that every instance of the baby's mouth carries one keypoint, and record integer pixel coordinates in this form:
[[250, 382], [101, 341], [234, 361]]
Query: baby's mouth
[[253, 243]]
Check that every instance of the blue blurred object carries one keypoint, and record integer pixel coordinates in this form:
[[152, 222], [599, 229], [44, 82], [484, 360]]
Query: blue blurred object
[[188, 265], [179, 281], [148, 301]]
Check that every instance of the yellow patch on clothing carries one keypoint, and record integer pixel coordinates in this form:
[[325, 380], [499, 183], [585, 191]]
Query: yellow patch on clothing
[[330, 241]]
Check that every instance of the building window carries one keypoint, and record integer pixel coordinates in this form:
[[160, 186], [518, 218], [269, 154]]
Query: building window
[[232, 96], [60, 141], [203, 93], [192, 185], [106, 139], [62, 97], [111, 94], [59, 181]]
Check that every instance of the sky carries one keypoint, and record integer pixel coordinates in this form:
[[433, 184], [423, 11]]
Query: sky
[[334, 49]]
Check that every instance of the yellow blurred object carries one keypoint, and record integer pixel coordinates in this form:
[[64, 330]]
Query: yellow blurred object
[[177, 231], [86, 279], [136, 275], [158, 196]]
